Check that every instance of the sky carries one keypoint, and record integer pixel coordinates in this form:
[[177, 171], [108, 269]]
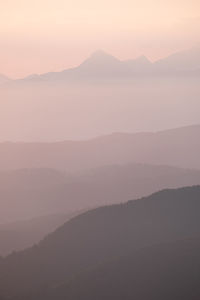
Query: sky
[[38, 36]]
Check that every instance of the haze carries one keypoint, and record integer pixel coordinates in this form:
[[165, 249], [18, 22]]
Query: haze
[[44, 113], [99, 150], [41, 36]]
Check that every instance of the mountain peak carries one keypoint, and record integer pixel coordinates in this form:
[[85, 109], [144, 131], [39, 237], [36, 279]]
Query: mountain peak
[[143, 58], [100, 53], [100, 57]]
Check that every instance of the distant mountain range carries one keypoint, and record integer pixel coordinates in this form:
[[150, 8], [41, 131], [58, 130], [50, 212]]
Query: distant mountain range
[[103, 66], [180, 61], [29, 194], [66, 228], [132, 248], [23, 234], [101, 96], [175, 147]]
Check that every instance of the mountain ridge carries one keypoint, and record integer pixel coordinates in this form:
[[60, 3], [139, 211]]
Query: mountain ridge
[[176, 147], [26, 194], [186, 62], [101, 234]]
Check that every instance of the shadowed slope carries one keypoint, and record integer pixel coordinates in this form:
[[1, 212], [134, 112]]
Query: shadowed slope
[[23, 234], [100, 235], [164, 271]]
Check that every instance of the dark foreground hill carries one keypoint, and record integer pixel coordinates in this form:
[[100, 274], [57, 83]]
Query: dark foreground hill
[[99, 236], [165, 271]]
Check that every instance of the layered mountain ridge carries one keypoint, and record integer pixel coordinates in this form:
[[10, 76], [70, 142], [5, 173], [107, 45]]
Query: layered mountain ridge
[[99, 236]]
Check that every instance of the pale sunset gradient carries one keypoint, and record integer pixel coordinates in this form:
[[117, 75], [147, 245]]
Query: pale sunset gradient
[[38, 36]]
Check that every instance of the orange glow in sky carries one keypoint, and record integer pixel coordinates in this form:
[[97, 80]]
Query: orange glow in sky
[[38, 36]]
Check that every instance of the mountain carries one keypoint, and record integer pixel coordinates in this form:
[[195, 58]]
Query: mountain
[[103, 66], [72, 105], [101, 235], [26, 194], [23, 234], [139, 66], [99, 65], [176, 147], [101, 62], [163, 271], [187, 60]]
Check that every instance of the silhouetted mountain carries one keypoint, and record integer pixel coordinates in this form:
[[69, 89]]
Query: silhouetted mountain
[[101, 235], [164, 271], [29, 193], [176, 147]]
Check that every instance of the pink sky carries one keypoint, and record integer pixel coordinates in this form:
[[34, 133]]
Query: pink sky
[[50, 35]]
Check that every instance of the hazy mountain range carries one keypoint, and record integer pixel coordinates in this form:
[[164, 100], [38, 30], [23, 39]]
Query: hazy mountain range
[[98, 200], [49, 197], [95, 254], [23, 199], [19, 235], [176, 147], [101, 96], [102, 64]]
